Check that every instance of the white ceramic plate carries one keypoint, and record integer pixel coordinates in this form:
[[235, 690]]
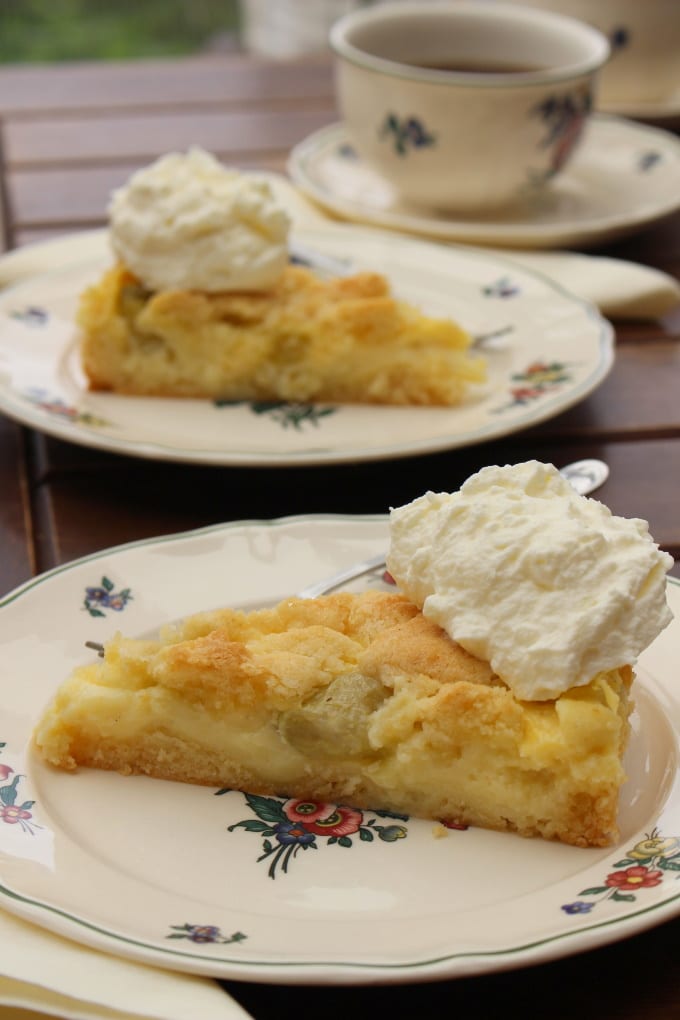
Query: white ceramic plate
[[552, 349], [180, 877], [624, 177]]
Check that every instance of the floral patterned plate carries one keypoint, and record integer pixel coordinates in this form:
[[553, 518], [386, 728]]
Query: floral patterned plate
[[268, 889], [546, 350], [623, 177]]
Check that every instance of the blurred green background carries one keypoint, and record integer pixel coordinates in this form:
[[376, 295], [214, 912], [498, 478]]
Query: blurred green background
[[34, 31]]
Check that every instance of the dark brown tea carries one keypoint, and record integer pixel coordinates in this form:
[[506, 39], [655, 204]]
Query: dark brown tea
[[477, 66]]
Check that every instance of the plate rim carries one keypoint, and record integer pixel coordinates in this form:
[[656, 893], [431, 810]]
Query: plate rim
[[546, 947], [524, 234], [550, 406]]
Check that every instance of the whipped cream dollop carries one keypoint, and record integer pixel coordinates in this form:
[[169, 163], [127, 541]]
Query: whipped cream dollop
[[187, 222], [547, 586]]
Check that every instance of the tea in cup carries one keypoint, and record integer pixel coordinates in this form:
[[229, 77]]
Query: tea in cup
[[465, 106]]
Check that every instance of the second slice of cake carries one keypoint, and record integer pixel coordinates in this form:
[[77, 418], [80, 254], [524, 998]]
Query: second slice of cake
[[354, 699], [493, 691]]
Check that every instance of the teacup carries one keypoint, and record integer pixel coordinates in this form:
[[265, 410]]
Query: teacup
[[464, 106], [645, 39]]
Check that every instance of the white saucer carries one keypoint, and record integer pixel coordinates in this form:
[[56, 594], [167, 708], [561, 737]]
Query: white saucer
[[624, 176], [664, 112]]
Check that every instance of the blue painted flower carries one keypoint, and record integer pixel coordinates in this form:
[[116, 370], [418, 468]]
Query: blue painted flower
[[405, 133], [203, 933], [102, 596], [619, 37], [578, 907], [417, 133], [289, 833]]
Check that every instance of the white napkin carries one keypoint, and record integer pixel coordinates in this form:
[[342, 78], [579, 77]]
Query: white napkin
[[53, 976], [620, 289]]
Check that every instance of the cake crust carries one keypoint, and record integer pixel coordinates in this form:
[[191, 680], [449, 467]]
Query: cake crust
[[353, 699]]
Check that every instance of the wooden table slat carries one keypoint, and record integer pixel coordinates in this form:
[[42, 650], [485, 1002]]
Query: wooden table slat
[[17, 556], [124, 139], [30, 92], [164, 498]]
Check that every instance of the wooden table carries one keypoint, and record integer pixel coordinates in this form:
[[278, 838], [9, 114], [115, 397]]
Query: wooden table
[[70, 134]]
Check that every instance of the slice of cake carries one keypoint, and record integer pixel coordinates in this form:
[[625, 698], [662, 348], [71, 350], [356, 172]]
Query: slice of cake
[[494, 690], [204, 303], [352, 699], [302, 339]]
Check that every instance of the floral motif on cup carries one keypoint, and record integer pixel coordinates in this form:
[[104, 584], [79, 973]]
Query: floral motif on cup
[[650, 862], [287, 827], [32, 316], [619, 37], [11, 812], [60, 409], [287, 415], [346, 150], [102, 597], [204, 934], [648, 160], [537, 380], [564, 117], [405, 133]]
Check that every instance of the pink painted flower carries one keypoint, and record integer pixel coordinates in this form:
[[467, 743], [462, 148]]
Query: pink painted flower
[[341, 821], [306, 810], [12, 815], [635, 877], [5, 771]]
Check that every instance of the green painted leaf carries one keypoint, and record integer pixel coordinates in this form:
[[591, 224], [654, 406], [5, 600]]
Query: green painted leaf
[[595, 891], [365, 834], [669, 865], [107, 584], [8, 794], [266, 808], [624, 896], [344, 841], [252, 825], [628, 861]]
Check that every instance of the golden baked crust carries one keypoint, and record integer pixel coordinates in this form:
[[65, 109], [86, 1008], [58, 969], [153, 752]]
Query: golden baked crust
[[353, 699], [343, 340]]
